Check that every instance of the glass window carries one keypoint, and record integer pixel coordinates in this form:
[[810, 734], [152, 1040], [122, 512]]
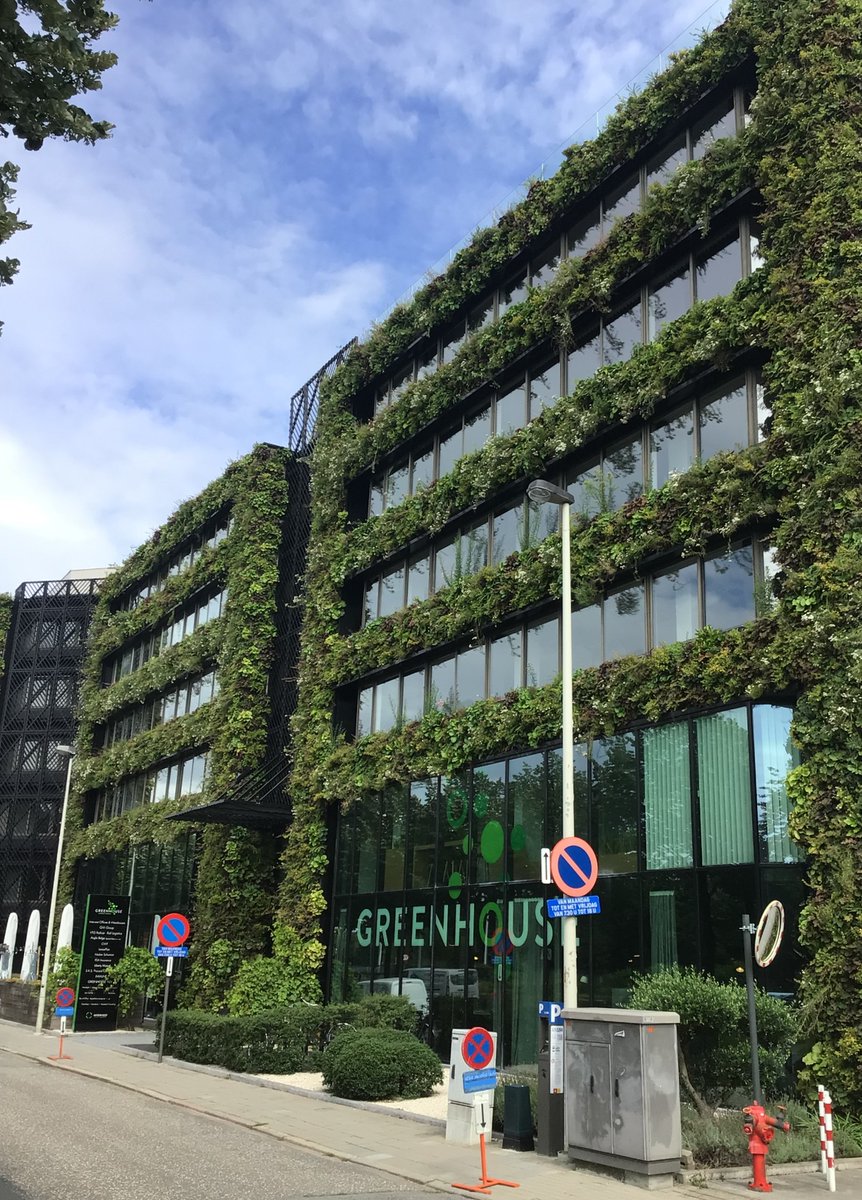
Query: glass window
[[444, 565], [625, 626], [488, 833], [584, 235], [621, 335], [719, 122], [422, 473], [472, 550], [426, 363], [672, 447], [393, 838], [400, 381], [417, 578], [423, 833], [481, 315], [193, 775], [413, 696], [774, 757], [667, 161], [442, 693], [506, 536], [614, 803], [719, 272], [387, 707], [728, 587], [381, 398], [450, 451], [543, 267], [584, 361], [510, 409], [586, 487], [452, 343], [392, 591], [526, 817], [667, 797], [668, 301], [621, 202], [370, 609], [723, 421], [477, 431], [674, 605], [623, 473], [544, 384], [363, 712], [505, 663], [586, 637], [160, 791], [397, 485], [513, 293], [471, 676], [543, 652], [724, 788], [367, 825], [542, 521]]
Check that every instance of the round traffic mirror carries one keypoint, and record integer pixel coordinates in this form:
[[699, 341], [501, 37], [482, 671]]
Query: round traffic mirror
[[770, 931]]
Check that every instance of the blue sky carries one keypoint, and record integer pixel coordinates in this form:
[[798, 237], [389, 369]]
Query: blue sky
[[279, 174]]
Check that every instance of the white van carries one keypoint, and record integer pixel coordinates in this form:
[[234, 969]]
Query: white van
[[413, 989]]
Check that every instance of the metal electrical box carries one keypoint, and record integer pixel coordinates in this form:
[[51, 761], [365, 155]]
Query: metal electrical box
[[622, 1089]]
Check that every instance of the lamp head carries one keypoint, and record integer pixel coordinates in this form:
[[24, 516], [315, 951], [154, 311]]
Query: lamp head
[[542, 492], [68, 751]]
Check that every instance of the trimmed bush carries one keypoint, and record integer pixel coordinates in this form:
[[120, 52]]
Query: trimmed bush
[[274, 1043], [380, 1064]]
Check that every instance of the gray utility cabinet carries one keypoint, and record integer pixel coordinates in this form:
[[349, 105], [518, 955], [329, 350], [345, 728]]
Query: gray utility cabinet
[[622, 1089]]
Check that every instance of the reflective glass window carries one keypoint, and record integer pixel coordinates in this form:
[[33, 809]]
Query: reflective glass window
[[622, 335], [450, 451], [413, 696], [470, 669], [506, 535], [667, 797], [719, 122], [363, 712], [426, 363], [614, 803], [622, 468], [489, 826], [452, 343], [393, 837], [400, 381], [477, 430], [417, 578], [544, 385], [543, 652], [542, 521], [586, 637], [584, 235], [724, 788], [510, 409], [665, 162], [505, 663], [621, 202], [675, 614], [442, 694], [728, 584], [392, 591], [543, 267], [481, 315], [472, 550], [625, 622], [422, 833], [387, 706], [723, 421], [397, 484], [444, 564], [513, 293], [668, 301], [526, 817], [193, 775], [422, 471], [584, 361], [672, 447], [370, 610], [585, 484], [774, 757], [719, 272]]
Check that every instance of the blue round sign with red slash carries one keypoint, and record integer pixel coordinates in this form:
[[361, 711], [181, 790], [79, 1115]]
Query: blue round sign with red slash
[[574, 866], [477, 1048], [65, 998], [173, 929]]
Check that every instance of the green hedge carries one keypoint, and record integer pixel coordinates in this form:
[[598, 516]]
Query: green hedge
[[380, 1064]]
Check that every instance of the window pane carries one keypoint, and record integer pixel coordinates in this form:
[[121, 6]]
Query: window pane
[[667, 797], [423, 833], [397, 485], [669, 159], [387, 707], [622, 335], [543, 652], [669, 301], [542, 521], [423, 471], [363, 713], [442, 693], [586, 487], [723, 422], [401, 380], [381, 400], [543, 267], [426, 364], [417, 579], [513, 293], [413, 696], [488, 833], [193, 775], [671, 448], [623, 473], [444, 565], [471, 676], [619, 203], [473, 550], [614, 807], [392, 592], [674, 605], [729, 588], [584, 235], [526, 814], [586, 637], [718, 123], [160, 791], [584, 361], [367, 825], [544, 386], [625, 631], [452, 343], [450, 452], [719, 273], [724, 788], [477, 430], [506, 538], [369, 610], [393, 838], [505, 664], [774, 756], [510, 410], [482, 315]]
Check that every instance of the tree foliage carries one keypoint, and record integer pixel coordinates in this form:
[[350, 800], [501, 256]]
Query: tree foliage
[[46, 60]]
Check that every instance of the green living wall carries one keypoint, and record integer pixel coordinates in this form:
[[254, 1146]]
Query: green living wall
[[802, 309], [5, 622], [234, 884]]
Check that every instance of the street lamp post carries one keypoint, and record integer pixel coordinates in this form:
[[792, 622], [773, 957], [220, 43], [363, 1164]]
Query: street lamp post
[[542, 492], [68, 753]]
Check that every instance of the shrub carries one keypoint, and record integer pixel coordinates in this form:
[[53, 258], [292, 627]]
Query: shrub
[[137, 973], [380, 1064], [718, 1140], [273, 1043], [265, 984], [64, 972], [715, 1059]]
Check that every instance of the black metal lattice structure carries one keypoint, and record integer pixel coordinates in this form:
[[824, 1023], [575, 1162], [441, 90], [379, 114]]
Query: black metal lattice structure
[[38, 694], [305, 403]]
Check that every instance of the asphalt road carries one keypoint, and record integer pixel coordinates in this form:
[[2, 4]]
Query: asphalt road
[[63, 1137]]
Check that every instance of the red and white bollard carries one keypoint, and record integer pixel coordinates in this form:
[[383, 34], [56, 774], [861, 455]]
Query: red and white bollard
[[821, 1118], [830, 1144]]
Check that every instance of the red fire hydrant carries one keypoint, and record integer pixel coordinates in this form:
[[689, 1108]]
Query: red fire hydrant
[[760, 1128]]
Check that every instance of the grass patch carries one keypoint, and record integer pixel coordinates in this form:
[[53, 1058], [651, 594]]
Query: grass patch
[[720, 1142]]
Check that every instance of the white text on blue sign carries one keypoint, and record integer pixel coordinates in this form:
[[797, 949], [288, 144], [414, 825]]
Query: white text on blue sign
[[171, 952], [573, 906], [480, 1081]]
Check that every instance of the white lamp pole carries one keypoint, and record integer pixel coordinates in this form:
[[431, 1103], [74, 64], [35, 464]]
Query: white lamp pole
[[542, 492], [69, 753]]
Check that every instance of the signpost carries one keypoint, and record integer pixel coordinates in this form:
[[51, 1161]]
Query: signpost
[[104, 941], [172, 931], [767, 934], [64, 1006], [479, 1081]]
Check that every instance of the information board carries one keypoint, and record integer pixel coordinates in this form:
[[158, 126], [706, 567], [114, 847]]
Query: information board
[[104, 941]]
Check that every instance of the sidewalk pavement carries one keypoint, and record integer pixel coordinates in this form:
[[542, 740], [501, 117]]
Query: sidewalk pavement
[[408, 1148]]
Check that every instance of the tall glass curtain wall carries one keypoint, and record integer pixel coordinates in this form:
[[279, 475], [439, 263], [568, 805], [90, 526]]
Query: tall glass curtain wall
[[439, 880]]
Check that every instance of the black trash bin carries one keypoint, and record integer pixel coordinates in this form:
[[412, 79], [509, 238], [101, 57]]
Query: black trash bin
[[517, 1117]]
